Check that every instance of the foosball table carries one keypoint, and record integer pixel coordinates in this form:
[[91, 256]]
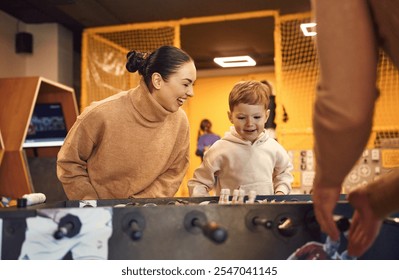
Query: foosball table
[[270, 227]]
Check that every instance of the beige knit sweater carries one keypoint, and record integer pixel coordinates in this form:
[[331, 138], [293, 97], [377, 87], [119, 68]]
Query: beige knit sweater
[[125, 145]]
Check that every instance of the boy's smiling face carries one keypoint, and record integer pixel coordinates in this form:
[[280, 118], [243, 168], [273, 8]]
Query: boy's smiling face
[[249, 120]]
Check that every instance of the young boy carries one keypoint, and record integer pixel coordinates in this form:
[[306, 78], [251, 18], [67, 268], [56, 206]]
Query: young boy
[[246, 157]]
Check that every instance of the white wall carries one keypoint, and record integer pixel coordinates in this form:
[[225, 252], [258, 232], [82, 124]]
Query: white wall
[[52, 55], [65, 56], [44, 59], [11, 64]]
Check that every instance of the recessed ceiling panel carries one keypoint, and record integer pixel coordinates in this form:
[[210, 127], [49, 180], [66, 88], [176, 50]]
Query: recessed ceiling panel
[[253, 37]]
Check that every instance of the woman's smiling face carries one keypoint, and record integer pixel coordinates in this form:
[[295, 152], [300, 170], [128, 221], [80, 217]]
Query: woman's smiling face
[[172, 93]]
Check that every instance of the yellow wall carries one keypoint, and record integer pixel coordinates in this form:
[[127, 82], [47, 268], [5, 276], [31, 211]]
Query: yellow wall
[[211, 101]]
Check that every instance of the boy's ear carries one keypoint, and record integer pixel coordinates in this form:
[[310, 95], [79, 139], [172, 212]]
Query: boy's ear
[[230, 116], [156, 80]]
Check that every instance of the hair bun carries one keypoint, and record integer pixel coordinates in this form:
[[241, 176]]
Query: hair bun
[[136, 61]]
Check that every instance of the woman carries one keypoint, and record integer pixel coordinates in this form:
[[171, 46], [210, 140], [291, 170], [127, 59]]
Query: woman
[[134, 143]]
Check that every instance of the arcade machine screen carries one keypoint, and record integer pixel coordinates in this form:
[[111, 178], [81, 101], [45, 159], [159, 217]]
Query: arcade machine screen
[[47, 126]]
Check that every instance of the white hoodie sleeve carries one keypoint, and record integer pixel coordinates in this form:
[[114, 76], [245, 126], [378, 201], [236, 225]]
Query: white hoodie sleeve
[[202, 182], [204, 179], [282, 176]]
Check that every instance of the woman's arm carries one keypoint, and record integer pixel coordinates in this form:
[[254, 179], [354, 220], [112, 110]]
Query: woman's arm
[[72, 164]]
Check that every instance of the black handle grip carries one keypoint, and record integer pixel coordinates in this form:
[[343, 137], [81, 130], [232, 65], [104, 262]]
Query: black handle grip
[[69, 226], [258, 221], [135, 231], [211, 230]]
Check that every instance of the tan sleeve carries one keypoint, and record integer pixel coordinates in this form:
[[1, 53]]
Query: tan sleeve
[[72, 164]]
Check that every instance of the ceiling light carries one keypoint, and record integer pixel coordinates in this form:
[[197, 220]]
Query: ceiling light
[[235, 61], [305, 30]]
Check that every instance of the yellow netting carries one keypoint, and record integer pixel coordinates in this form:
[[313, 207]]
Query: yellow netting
[[297, 74], [104, 50], [386, 117], [104, 57]]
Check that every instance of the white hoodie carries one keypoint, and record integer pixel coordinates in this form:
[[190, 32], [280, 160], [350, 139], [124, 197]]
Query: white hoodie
[[234, 163]]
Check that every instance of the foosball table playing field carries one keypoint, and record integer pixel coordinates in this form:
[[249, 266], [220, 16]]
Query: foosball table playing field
[[267, 227]]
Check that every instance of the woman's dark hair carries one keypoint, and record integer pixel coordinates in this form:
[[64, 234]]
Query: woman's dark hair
[[165, 60]]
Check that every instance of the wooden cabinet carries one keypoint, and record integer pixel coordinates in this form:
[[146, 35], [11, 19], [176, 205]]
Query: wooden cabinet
[[1, 148], [18, 97]]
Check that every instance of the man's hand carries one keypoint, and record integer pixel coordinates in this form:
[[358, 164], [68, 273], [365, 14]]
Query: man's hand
[[324, 202], [365, 226]]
